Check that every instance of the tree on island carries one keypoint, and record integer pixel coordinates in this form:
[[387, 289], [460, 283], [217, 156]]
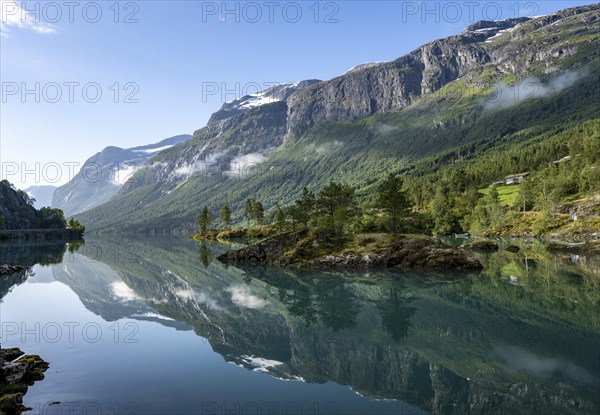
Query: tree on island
[[301, 211], [52, 218], [335, 206], [279, 219], [225, 215], [204, 220], [258, 213], [393, 200], [74, 224], [253, 210]]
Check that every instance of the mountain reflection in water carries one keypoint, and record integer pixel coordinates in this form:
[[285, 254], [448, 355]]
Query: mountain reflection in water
[[522, 337]]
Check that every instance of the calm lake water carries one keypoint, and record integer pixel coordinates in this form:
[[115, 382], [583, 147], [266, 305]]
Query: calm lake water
[[157, 326]]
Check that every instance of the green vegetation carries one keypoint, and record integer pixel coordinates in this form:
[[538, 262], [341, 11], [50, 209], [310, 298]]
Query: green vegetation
[[204, 220], [279, 219], [333, 214], [74, 224], [52, 218], [225, 215], [507, 195], [253, 210], [563, 169], [443, 147], [19, 219]]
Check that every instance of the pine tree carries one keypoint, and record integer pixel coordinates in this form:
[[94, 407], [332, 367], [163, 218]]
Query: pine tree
[[204, 220], [442, 211], [335, 196], [225, 215], [296, 215], [279, 219], [525, 198], [393, 200], [249, 209], [258, 213], [336, 206]]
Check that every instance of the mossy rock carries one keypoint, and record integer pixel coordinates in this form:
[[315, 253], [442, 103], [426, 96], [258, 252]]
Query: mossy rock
[[36, 368], [12, 403], [8, 355]]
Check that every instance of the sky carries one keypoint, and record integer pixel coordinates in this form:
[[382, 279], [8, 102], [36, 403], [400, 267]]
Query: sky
[[78, 76]]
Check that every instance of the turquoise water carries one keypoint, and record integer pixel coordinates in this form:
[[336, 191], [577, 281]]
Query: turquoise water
[[159, 326]]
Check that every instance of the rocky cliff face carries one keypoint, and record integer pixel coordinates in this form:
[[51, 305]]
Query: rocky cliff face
[[260, 122], [506, 46], [242, 130]]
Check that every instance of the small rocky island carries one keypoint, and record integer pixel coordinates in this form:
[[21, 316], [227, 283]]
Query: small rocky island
[[17, 373], [305, 250]]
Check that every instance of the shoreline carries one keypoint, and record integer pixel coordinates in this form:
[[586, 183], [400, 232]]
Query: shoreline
[[40, 234]]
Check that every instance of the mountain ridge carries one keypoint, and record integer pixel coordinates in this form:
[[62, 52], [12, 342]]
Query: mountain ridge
[[104, 173], [358, 126]]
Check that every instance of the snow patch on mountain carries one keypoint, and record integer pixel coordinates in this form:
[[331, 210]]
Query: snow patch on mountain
[[257, 100], [154, 150], [500, 33], [363, 66]]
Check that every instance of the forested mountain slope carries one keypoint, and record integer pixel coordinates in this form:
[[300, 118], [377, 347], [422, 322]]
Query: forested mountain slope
[[508, 85]]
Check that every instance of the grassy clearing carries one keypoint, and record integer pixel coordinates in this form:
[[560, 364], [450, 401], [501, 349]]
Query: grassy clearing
[[508, 194]]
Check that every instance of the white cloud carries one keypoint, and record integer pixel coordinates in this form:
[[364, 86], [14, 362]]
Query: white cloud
[[199, 166], [242, 165], [13, 16], [505, 96], [242, 297], [121, 176], [323, 149], [188, 294], [121, 291]]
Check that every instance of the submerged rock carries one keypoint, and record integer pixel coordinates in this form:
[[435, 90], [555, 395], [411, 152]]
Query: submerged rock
[[588, 247], [482, 246]]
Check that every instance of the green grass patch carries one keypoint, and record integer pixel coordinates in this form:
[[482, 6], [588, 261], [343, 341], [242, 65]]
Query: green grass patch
[[508, 194]]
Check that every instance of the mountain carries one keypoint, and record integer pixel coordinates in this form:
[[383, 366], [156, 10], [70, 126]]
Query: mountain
[[103, 174], [16, 208], [42, 195], [494, 84]]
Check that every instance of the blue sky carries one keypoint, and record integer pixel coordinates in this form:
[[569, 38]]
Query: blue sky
[[162, 58]]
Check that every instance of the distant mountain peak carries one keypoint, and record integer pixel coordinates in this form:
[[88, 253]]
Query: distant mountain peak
[[107, 171]]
